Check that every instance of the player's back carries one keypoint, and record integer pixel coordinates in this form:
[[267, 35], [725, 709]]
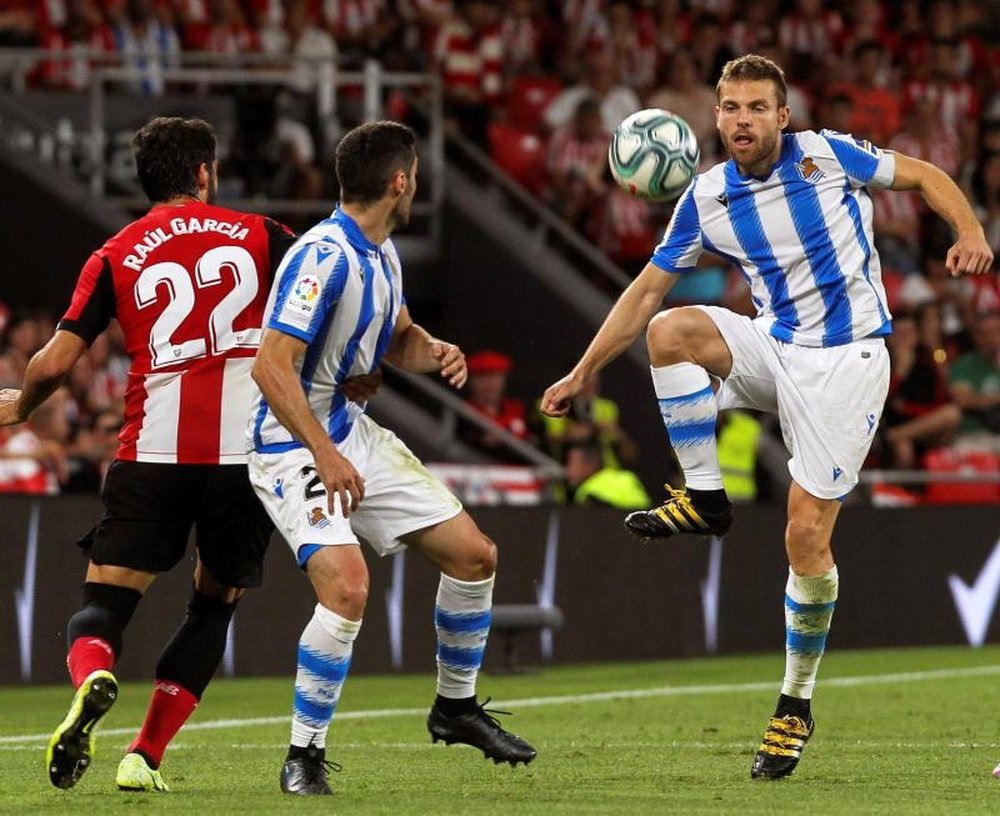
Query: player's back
[[188, 284]]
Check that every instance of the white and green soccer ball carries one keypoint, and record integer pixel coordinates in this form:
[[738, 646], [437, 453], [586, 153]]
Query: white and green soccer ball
[[653, 155]]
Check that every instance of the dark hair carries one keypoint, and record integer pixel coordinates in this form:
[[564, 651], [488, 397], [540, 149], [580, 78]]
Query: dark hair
[[168, 152], [753, 68], [369, 156]]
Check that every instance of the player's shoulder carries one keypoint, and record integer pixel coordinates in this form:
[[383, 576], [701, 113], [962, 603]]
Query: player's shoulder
[[323, 245], [709, 184]]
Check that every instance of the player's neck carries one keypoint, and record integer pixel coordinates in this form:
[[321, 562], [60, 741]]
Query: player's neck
[[373, 220], [181, 200]]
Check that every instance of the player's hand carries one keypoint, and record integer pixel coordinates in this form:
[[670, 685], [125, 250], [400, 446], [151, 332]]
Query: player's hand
[[970, 255], [362, 387], [559, 397], [8, 406], [452, 362], [341, 479]]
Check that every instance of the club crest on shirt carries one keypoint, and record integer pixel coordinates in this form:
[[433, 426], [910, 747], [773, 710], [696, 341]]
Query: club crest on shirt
[[808, 170], [304, 294], [317, 518]]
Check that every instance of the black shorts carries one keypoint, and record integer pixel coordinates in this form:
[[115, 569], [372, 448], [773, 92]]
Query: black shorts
[[150, 508]]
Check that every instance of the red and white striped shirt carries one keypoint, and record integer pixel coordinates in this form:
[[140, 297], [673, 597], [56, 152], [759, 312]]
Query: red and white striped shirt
[[188, 285], [470, 59]]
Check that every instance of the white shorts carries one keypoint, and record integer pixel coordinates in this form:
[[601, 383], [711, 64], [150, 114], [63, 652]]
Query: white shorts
[[401, 495], [828, 400]]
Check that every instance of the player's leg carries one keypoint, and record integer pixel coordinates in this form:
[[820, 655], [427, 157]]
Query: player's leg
[[183, 672], [829, 402], [232, 536], [467, 560], [326, 547], [110, 596], [339, 576], [810, 598], [685, 344]]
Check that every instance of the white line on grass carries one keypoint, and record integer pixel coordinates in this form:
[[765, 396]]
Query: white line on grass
[[572, 699]]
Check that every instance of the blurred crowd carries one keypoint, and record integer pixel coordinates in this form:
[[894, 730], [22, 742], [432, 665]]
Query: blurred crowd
[[541, 84]]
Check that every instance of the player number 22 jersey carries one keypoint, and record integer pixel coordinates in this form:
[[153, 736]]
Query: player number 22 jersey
[[188, 285]]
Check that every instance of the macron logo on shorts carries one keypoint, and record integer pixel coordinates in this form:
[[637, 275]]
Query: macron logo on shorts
[[836, 473]]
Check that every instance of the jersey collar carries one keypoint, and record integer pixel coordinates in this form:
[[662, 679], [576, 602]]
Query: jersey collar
[[353, 231]]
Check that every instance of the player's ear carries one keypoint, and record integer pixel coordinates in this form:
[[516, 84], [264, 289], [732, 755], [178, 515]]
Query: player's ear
[[784, 115], [399, 182]]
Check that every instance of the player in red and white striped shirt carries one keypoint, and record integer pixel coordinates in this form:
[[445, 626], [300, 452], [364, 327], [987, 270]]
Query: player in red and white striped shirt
[[188, 283]]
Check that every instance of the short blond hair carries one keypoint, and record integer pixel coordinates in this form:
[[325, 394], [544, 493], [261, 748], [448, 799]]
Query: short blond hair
[[753, 68]]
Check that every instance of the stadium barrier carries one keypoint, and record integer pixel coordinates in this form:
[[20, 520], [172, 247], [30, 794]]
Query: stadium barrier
[[923, 575]]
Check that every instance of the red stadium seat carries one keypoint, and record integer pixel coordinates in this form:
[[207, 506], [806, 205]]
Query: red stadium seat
[[521, 153], [529, 96], [949, 460]]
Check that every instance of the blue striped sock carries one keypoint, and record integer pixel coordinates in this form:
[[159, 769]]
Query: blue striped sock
[[462, 620], [809, 604], [324, 658], [689, 411]]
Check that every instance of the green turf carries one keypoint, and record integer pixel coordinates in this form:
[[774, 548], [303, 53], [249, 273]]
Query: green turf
[[916, 745]]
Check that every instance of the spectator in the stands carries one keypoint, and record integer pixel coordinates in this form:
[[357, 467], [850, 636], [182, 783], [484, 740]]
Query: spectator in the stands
[[33, 458], [875, 113], [709, 47], [362, 29], [302, 40], [91, 451], [601, 82], [528, 38], [226, 31], [147, 47], [919, 411], [975, 385], [683, 93], [82, 34], [985, 189], [952, 98], [923, 137], [591, 483], [488, 373], [577, 155], [632, 45], [469, 56], [756, 26], [591, 416], [810, 35], [271, 154], [23, 337], [18, 24]]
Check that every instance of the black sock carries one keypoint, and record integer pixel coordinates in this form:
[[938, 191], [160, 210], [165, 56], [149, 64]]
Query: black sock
[[452, 707], [795, 706], [309, 752], [713, 501]]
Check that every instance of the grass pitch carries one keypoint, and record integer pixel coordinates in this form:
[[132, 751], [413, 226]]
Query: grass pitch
[[912, 731]]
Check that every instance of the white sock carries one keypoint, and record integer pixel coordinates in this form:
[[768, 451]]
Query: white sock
[[689, 411], [809, 604], [324, 658], [462, 620]]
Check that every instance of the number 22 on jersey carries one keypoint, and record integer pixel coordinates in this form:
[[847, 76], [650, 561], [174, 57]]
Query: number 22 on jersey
[[179, 288]]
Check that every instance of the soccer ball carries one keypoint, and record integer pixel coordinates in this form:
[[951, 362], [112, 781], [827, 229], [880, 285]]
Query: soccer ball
[[653, 155]]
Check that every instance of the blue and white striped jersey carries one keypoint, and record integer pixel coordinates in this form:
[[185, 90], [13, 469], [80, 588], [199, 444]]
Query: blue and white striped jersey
[[802, 236], [341, 294]]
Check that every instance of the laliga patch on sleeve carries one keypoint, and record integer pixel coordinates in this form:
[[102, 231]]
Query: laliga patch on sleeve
[[304, 294]]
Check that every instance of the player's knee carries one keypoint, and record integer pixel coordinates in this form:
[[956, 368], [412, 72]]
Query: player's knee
[[669, 334], [348, 598], [477, 559]]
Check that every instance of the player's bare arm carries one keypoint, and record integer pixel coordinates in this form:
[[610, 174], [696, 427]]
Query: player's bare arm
[[44, 374], [627, 318], [970, 254], [413, 348], [275, 371]]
